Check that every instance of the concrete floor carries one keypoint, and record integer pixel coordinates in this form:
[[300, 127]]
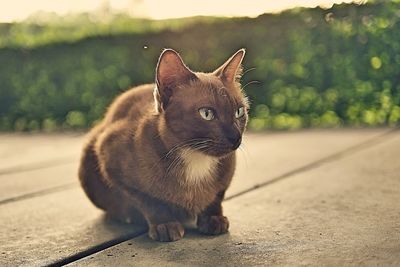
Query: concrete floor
[[318, 197]]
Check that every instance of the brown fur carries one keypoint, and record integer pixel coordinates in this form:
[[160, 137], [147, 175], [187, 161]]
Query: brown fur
[[133, 165]]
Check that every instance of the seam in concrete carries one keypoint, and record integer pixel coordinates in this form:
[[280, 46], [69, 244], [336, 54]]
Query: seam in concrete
[[95, 249], [333, 157], [39, 193], [37, 166]]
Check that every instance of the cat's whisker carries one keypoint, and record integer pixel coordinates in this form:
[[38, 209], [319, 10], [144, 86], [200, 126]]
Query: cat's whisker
[[172, 165], [176, 148], [182, 145], [251, 82], [245, 155], [202, 148], [202, 144], [248, 70]]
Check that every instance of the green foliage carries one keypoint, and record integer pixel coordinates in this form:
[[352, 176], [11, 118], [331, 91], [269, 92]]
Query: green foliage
[[42, 30], [314, 67]]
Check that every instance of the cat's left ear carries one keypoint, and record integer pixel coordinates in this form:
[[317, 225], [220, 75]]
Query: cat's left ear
[[231, 70]]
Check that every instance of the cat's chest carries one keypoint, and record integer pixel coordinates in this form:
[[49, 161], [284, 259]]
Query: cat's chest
[[197, 168]]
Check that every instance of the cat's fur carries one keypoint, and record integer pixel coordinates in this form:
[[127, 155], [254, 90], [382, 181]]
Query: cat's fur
[[154, 159]]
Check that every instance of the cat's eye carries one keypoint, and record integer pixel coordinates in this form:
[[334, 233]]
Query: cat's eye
[[239, 112], [206, 113]]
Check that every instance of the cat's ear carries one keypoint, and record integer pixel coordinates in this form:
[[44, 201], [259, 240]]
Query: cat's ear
[[231, 70], [170, 73]]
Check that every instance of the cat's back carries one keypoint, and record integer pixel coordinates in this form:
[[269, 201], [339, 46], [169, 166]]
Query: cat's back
[[132, 105]]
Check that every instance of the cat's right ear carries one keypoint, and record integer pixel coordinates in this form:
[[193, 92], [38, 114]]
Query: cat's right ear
[[170, 73], [231, 70]]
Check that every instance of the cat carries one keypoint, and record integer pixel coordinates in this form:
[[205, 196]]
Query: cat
[[165, 152]]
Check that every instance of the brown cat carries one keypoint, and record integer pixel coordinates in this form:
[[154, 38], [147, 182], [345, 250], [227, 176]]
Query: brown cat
[[165, 152]]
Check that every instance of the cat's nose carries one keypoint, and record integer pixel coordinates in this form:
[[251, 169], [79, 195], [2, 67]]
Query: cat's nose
[[235, 138]]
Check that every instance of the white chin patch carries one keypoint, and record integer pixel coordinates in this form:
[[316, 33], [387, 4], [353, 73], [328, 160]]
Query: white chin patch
[[198, 167]]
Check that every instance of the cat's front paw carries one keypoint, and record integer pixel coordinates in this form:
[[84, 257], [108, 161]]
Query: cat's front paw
[[213, 225], [166, 232]]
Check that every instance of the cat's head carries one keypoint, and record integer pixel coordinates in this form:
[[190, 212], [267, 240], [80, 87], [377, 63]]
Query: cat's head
[[202, 111]]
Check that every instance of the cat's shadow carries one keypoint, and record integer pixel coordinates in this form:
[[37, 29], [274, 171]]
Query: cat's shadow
[[134, 239], [119, 227], [193, 249]]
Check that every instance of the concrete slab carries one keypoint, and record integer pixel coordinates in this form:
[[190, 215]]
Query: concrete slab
[[20, 152], [45, 229], [342, 213], [264, 157], [15, 186]]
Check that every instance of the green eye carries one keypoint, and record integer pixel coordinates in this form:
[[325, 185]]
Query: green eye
[[206, 113], [239, 113]]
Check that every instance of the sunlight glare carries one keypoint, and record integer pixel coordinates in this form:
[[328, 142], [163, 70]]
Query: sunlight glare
[[18, 10]]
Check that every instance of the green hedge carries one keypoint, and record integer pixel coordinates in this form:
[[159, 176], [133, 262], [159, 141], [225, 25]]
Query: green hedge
[[312, 67]]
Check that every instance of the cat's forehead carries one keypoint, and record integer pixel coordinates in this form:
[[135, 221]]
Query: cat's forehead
[[208, 81], [210, 84]]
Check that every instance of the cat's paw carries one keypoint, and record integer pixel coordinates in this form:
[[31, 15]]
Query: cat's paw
[[213, 225], [166, 232]]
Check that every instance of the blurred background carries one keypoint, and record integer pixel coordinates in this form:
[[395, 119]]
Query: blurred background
[[313, 63]]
